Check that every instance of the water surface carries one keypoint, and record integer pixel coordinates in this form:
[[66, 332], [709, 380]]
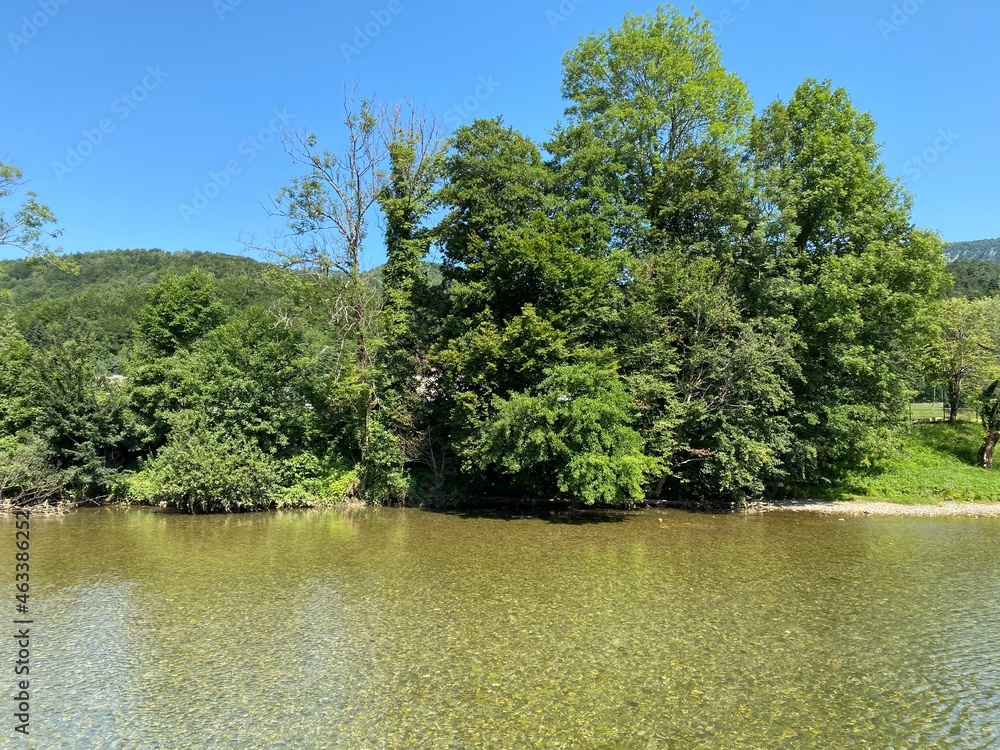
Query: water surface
[[409, 629]]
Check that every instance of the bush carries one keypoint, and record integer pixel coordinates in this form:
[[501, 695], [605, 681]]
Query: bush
[[205, 472], [383, 478], [26, 476], [571, 437], [309, 481]]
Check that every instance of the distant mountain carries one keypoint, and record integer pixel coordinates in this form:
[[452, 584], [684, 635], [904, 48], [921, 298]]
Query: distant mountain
[[101, 300], [975, 250]]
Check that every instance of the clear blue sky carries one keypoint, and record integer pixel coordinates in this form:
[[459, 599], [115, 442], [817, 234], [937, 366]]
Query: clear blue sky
[[922, 67]]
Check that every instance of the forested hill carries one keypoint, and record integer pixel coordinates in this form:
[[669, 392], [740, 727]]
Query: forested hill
[[975, 250], [100, 301]]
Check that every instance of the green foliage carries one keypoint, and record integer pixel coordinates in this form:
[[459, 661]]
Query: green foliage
[[818, 163], [989, 412], [26, 476], [249, 378], [81, 419], [572, 436], [496, 181], [17, 383], [722, 424], [26, 229], [965, 352], [672, 298], [417, 163], [180, 311], [203, 471], [653, 89], [989, 407], [382, 477], [975, 278], [932, 463], [490, 361], [310, 481], [102, 300], [859, 278]]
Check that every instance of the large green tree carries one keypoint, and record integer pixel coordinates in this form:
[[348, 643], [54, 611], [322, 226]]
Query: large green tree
[[571, 436], [659, 120], [180, 311], [963, 354], [856, 276]]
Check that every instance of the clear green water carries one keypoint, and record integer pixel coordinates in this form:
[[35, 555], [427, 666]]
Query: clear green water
[[408, 629]]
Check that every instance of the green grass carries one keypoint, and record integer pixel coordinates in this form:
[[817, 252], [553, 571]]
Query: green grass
[[932, 412], [937, 463]]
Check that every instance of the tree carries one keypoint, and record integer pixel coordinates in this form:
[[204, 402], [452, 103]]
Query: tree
[[391, 155], [17, 384], [964, 352], [180, 311], [203, 470], [975, 278], [26, 476], [731, 381], [249, 379], [496, 181], [411, 314], [416, 165], [855, 276], [27, 229], [654, 94], [80, 420], [571, 436], [990, 414]]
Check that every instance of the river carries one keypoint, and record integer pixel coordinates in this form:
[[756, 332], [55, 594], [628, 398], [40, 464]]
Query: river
[[410, 629]]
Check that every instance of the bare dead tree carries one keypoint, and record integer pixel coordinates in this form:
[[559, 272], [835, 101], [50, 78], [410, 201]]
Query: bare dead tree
[[329, 210]]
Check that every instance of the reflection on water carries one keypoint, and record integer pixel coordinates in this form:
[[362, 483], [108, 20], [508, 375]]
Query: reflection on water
[[401, 628]]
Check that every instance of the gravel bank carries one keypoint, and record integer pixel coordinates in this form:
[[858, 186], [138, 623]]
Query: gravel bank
[[866, 508]]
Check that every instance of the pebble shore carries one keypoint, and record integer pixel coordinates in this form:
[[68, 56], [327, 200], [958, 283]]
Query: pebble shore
[[868, 508]]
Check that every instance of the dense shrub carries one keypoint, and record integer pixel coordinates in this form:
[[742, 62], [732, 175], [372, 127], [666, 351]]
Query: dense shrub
[[204, 472]]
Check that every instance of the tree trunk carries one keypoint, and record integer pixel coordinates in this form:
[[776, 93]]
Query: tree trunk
[[954, 399], [986, 452]]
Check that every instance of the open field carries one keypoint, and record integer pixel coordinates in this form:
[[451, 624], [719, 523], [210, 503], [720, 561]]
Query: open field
[[938, 413]]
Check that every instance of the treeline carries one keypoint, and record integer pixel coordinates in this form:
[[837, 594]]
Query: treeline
[[975, 278], [670, 297], [96, 297]]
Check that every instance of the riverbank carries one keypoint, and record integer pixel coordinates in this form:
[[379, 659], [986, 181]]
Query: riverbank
[[877, 508], [936, 467]]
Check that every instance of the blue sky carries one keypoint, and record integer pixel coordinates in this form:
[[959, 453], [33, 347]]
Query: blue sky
[[172, 93]]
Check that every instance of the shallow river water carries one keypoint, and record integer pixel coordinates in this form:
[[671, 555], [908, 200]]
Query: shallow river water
[[411, 629]]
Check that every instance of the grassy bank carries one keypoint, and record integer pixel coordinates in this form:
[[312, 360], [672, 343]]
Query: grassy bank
[[937, 464]]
